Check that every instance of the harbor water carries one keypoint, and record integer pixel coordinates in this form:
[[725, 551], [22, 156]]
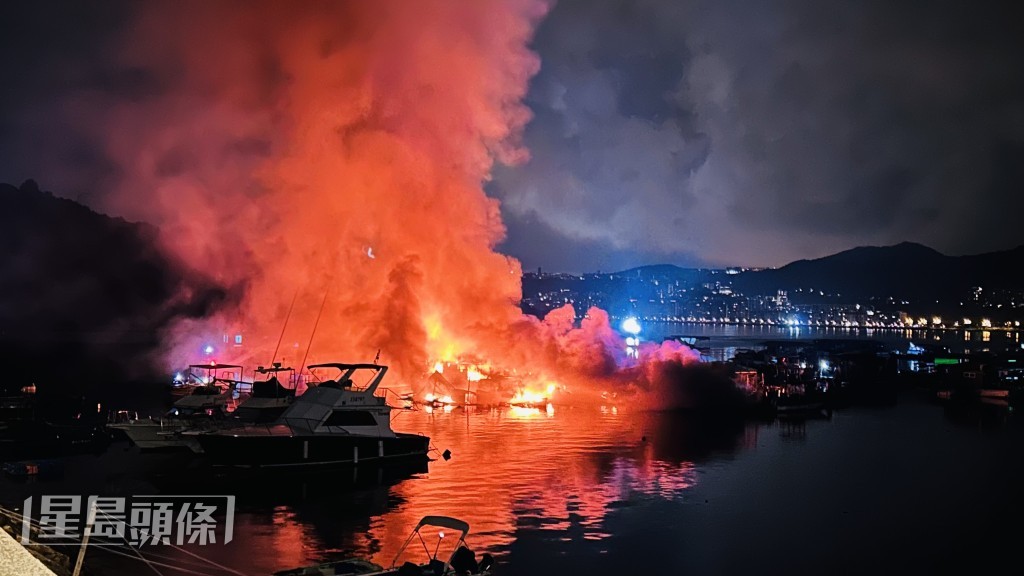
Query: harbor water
[[909, 487]]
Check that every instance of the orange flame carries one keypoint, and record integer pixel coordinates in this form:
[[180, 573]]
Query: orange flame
[[336, 153]]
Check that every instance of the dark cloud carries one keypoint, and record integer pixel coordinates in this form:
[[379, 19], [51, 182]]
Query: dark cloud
[[715, 131], [759, 133], [51, 52], [540, 246]]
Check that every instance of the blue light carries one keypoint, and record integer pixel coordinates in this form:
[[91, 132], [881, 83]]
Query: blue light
[[208, 349]]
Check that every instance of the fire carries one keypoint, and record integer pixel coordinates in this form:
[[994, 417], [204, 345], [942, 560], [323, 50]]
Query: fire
[[529, 397], [324, 164], [525, 412], [432, 399]]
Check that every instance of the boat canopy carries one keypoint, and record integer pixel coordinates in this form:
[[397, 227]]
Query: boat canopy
[[341, 366], [444, 522], [347, 370], [271, 388], [275, 368], [213, 366]]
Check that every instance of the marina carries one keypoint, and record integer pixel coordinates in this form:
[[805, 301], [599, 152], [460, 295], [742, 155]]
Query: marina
[[510, 288], [596, 489]]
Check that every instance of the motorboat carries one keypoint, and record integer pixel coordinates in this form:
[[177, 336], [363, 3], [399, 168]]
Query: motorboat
[[201, 375], [31, 431], [270, 396], [336, 422], [460, 560], [34, 438], [205, 406]]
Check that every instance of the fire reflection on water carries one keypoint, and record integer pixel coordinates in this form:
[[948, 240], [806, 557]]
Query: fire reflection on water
[[518, 476], [558, 473]]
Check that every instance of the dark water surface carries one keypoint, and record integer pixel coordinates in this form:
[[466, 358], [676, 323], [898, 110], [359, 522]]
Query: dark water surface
[[908, 488]]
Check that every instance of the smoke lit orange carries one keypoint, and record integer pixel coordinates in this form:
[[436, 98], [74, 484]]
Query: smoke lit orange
[[331, 157]]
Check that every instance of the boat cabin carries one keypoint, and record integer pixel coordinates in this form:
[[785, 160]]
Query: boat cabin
[[273, 390], [345, 404]]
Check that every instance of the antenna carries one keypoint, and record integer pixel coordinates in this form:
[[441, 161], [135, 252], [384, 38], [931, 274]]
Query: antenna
[[377, 357], [280, 338], [315, 324]]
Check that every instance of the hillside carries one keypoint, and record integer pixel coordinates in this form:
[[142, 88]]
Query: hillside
[[908, 271], [81, 291]]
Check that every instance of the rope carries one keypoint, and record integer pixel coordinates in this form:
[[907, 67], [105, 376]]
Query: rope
[[161, 564], [180, 549]]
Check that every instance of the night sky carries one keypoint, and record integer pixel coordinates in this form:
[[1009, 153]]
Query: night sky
[[696, 133]]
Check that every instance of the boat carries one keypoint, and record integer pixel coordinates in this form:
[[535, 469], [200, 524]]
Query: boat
[[991, 395], [206, 406], [37, 438], [26, 433], [269, 398], [333, 423], [38, 468], [801, 408], [461, 560], [200, 375]]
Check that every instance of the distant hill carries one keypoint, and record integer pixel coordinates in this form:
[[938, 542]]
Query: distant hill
[[670, 273], [658, 271], [909, 271], [81, 291]]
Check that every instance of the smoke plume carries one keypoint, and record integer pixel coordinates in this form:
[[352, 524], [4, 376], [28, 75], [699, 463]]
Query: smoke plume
[[327, 161]]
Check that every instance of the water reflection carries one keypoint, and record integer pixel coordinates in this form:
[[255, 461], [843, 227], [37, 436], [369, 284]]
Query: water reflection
[[554, 475], [541, 480], [619, 492], [985, 413]]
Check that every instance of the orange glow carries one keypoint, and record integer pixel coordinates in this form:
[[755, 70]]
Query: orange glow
[[335, 153], [438, 399], [529, 397], [522, 412], [574, 494]]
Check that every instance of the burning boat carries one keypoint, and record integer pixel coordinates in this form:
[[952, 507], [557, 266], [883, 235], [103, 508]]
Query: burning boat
[[336, 422]]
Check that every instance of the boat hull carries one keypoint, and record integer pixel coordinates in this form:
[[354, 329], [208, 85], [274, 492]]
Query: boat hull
[[157, 436], [255, 451]]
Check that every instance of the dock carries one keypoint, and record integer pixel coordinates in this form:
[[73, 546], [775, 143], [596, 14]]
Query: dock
[[15, 559]]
